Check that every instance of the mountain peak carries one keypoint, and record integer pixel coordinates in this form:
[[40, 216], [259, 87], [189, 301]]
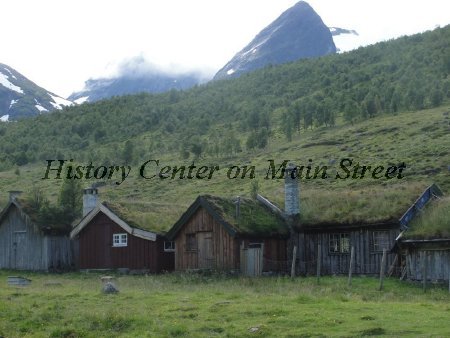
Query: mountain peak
[[20, 97], [297, 33]]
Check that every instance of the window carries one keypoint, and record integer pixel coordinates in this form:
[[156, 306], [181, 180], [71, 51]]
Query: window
[[191, 242], [339, 243], [120, 239], [380, 241], [169, 246]]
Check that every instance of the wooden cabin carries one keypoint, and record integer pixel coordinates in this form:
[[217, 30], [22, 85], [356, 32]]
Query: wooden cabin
[[108, 238], [230, 235], [26, 244], [368, 235], [425, 245]]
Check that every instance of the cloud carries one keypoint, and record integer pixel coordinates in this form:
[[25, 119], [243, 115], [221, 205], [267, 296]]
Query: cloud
[[139, 66]]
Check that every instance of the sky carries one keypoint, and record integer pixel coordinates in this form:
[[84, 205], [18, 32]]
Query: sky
[[59, 44]]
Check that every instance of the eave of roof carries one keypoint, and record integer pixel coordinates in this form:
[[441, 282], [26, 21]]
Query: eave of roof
[[85, 221]]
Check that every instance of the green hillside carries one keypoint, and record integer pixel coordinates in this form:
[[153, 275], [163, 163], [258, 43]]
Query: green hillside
[[225, 117], [383, 106], [421, 143]]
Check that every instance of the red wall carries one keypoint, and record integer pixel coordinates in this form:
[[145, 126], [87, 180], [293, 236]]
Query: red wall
[[97, 252]]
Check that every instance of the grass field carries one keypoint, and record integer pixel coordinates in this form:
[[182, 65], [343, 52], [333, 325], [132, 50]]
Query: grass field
[[209, 306]]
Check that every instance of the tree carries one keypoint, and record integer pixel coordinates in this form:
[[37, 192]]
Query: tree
[[70, 198]]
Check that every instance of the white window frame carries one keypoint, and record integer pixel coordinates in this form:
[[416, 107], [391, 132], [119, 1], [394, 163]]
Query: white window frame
[[169, 246], [120, 240]]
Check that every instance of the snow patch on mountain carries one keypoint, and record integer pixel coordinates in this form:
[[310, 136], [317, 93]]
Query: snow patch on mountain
[[13, 102], [4, 118], [5, 83], [59, 102], [12, 75], [81, 100], [40, 108]]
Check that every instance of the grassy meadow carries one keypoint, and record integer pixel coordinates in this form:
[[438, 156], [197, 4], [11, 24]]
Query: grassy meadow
[[188, 305]]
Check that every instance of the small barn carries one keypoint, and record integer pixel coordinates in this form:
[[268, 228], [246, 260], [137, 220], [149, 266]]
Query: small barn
[[425, 245], [27, 244], [109, 237], [230, 235]]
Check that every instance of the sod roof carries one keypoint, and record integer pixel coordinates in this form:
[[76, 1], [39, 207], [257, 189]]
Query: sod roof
[[363, 206], [132, 218], [433, 223], [254, 218]]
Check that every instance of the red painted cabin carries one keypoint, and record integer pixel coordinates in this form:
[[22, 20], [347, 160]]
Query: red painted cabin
[[106, 239]]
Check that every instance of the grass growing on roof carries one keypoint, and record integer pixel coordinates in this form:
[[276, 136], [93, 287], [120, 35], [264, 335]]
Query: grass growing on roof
[[375, 204], [254, 218], [366, 205], [434, 222]]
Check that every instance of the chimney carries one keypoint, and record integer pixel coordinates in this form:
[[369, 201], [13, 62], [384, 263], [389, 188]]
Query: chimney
[[238, 208], [291, 194], [13, 194], [90, 197]]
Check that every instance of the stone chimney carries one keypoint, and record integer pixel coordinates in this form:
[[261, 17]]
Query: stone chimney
[[90, 197], [291, 191], [13, 194]]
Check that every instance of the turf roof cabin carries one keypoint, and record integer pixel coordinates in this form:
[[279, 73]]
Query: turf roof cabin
[[369, 220], [426, 244], [29, 243], [108, 237], [230, 235]]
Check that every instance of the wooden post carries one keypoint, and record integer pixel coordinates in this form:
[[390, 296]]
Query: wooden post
[[294, 258], [449, 278], [424, 270], [352, 262], [383, 264], [319, 261]]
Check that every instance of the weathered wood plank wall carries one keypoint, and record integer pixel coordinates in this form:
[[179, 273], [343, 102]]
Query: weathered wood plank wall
[[437, 268], [96, 250], [23, 246], [366, 260], [225, 248]]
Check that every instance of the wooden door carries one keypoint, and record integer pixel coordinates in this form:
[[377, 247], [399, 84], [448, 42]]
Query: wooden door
[[205, 250], [19, 249], [254, 261]]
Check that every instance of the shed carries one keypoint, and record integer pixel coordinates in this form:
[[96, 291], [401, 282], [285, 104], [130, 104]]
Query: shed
[[230, 235], [108, 237], [27, 244], [426, 244]]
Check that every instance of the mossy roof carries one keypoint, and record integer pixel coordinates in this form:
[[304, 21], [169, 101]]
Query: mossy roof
[[129, 217], [362, 206], [433, 223], [254, 218]]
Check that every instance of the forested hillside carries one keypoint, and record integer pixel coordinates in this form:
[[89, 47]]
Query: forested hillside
[[227, 117]]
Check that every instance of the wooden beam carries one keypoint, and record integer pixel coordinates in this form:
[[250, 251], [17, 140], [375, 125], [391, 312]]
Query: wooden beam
[[392, 268], [319, 261], [294, 258], [352, 262], [383, 264]]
